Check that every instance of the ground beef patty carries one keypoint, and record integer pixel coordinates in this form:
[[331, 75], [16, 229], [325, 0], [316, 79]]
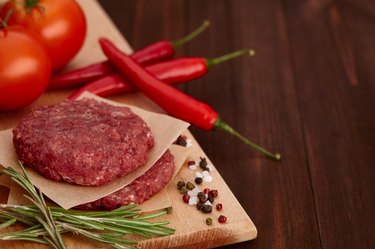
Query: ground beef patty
[[141, 189], [84, 142]]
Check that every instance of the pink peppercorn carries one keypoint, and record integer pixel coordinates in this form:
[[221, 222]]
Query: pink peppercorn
[[222, 219]]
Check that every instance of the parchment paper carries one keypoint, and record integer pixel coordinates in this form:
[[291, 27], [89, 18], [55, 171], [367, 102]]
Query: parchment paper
[[159, 201], [164, 128]]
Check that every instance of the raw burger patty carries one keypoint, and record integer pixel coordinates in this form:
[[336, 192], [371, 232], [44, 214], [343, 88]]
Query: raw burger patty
[[141, 189], [84, 142]]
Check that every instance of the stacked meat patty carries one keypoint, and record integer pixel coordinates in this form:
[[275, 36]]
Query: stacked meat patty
[[91, 143]]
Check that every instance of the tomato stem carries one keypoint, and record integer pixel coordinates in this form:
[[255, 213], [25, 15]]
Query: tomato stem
[[219, 124], [30, 4], [192, 35]]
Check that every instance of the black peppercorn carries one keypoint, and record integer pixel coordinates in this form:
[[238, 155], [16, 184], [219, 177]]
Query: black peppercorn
[[198, 180], [203, 163], [211, 198], [180, 184], [202, 199], [207, 209], [199, 206], [181, 141]]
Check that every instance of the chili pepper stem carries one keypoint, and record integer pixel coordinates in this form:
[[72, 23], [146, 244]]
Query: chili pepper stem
[[192, 35], [219, 124], [227, 57]]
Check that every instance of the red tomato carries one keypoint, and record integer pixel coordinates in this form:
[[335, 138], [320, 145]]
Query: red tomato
[[25, 67], [60, 23]]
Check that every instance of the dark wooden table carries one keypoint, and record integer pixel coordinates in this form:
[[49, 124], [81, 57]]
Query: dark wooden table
[[309, 93]]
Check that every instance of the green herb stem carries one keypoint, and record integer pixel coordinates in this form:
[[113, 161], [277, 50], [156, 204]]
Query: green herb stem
[[46, 224]]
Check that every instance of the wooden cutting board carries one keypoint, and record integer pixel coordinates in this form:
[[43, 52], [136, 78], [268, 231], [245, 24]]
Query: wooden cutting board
[[191, 230]]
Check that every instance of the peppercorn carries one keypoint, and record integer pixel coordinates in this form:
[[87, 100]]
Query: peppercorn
[[190, 186], [199, 206], [210, 198], [169, 210], [186, 198], [219, 207], [214, 192], [180, 184], [181, 141], [202, 199], [206, 191], [183, 190], [200, 194], [207, 209], [203, 163], [198, 180], [209, 221], [222, 219]]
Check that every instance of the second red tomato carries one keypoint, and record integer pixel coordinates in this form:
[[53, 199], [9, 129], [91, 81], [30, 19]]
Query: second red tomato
[[60, 23]]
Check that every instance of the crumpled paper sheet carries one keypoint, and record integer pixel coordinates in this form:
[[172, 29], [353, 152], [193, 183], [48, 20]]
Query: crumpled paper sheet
[[164, 128]]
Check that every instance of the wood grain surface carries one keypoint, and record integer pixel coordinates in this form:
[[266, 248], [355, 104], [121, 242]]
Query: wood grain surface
[[190, 224], [309, 93]]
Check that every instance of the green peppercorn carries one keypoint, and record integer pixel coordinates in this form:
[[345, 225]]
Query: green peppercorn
[[183, 190], [207, 209], [209, 221], [190, 186], [180, 184]]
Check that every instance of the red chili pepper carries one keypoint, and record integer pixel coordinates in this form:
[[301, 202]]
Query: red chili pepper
[[173, 72], [152, 53], [173, 101]]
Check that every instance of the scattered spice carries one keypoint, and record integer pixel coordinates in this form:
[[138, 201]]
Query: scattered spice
[[183, 190], [180, 184], [209, 221], [202, 199], [222, 219], [198, 180], [211, 198], [219, 207], [207, 209], [206, 191], [203, 163], [214, 193], [181, 140], [206, 176], [190, 186], [193, 200], [199, 206], [186, 198]]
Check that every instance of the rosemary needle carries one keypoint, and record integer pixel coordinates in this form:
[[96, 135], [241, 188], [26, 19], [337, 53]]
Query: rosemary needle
[[46, 224]]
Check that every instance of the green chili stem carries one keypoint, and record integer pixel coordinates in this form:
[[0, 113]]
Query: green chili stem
[[219, 124], [192, 35], [230, 56]]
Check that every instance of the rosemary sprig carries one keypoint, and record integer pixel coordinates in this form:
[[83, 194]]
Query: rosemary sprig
[[46, 224]]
